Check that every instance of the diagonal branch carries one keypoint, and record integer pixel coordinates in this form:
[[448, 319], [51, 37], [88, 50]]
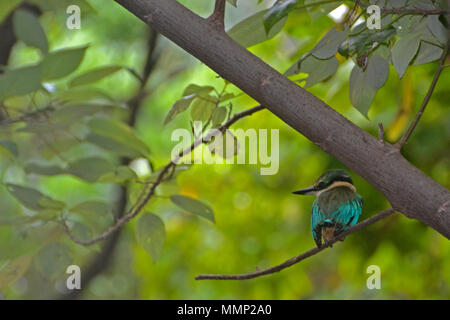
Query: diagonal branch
[[425, 101], [297, 259]]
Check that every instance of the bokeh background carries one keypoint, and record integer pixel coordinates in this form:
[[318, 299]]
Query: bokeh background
[[259, 223]]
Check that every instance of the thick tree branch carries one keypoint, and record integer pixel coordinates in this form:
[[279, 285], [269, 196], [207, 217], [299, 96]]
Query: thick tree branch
[[407, 188], [297, 259], [425, 101]]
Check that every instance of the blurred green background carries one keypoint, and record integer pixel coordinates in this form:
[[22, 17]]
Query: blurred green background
[[259, 223]]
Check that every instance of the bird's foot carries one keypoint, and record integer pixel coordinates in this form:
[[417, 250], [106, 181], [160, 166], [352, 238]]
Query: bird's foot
[[328, 243]]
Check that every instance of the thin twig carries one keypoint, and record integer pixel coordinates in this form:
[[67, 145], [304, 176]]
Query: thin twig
[[297, 259], [351, 14], [147, 195], [218, 16], [425, 101], [380, 133], [124, 219]]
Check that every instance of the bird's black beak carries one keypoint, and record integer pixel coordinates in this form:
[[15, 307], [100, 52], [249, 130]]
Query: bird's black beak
[[306, 191]]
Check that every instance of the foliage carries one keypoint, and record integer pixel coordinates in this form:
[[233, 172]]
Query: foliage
[[69, 148]]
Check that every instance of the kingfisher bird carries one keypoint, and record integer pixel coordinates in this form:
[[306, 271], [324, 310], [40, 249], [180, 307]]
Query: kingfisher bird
[[337, 206]]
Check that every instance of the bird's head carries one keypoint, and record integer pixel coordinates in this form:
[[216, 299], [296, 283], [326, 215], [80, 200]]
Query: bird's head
[[328, 180]]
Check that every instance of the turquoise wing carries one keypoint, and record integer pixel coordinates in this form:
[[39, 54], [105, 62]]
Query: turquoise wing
[[347, 215], [317, 218]]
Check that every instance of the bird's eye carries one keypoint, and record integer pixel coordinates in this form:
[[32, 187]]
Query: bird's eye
[[321, 184]]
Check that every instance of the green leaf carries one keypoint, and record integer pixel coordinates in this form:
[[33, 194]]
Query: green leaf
[[28, 29], [193, 206], [202, 109], [96, 214], [227, 96], [20, 81], [318, 9], [81, 231], [67, 115], [51, 204], [53, 260], [83, 94], [32, 198], [365, 40], [42, 216], [119, 132], [94, 75], [427, 53], [197, 90], [218, 116], [95, 169], [151, 234], [364, 84], [19, 220], [14, 270], [403, 25], [178, 107], [90, 169], [10, 146], [92, 208], [318, 69], [118, 148], [383, 51], [15, 242], [43, 170], [119, 175], [404, 51], [437, 28], [190, 93], [251, 31], [58, 146], [58, 64], [329, 44], [424, 28], [278, 11]]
